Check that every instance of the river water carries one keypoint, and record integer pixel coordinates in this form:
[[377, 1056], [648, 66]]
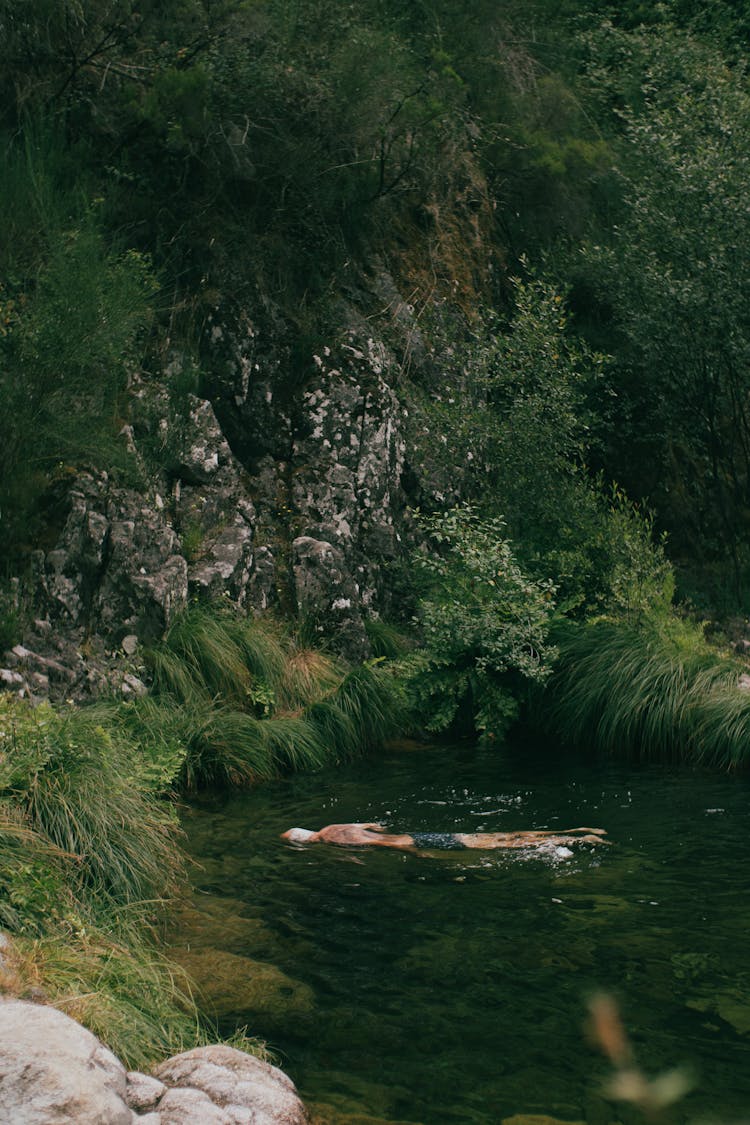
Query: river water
[[450, 989]]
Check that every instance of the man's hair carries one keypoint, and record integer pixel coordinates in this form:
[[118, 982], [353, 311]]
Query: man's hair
[[299, 835]]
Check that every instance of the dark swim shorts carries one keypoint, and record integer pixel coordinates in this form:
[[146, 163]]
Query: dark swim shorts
[[445, 841]]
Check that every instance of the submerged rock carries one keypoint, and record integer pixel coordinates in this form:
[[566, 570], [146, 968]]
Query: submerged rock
[[221, 923], [731, 1005], [536, 1119], [322, 1113], [231, 985]]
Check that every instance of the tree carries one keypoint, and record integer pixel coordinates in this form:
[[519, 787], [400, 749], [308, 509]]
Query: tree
[[673, 284]]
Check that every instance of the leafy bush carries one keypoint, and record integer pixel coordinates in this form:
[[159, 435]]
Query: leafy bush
[[484, 625], [669, 284]]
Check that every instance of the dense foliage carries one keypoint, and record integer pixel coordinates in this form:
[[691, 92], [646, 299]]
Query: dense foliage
[[256, 151], [483, 624], [559, 191]]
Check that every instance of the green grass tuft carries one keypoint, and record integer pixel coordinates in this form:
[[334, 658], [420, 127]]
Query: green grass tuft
[[70, 779], [201, 655], [657, 691], [373, 701], [385, 639], [336, 729], [227, 748], [245, 702], [295, 743]]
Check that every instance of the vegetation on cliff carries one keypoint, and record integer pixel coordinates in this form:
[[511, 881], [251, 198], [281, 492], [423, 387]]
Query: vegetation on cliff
[[161, 160]]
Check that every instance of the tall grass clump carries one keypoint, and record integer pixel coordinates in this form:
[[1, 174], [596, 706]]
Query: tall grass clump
[[115, 982], [246, 701], [372, 700], [88, 859], [71, 781], [656, 690], [200, 658]]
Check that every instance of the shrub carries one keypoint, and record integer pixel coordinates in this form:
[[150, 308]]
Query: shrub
[[484, 625]]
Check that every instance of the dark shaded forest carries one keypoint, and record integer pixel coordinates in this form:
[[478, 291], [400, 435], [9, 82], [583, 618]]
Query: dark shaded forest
[[162, 158]]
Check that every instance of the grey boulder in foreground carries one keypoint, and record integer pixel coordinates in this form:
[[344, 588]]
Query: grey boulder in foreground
[[52, 1070]]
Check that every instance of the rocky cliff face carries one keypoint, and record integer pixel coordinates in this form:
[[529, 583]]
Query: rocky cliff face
[[279, 492]]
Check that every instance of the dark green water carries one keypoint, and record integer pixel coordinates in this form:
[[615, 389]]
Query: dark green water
[[451, 989]]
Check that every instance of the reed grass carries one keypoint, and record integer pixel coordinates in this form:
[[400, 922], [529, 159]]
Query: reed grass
[[386, 640], [295, 743], [264, 647], [119, 986], [70, 779], [247, 701], [656, 691]]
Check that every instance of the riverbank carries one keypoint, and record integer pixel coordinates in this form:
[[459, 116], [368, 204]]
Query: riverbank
[[91, 861], [92, 869]]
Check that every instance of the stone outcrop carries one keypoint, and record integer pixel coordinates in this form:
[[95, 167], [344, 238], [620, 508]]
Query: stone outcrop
[[54, 1070], [327, 595], [241, 1088], [285, 490]]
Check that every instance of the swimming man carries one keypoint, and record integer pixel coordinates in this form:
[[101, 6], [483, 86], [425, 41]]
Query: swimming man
[[358, 835]]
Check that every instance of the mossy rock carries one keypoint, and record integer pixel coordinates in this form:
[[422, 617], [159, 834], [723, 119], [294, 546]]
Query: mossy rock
[[228, 985], [211, 921], [326, 1114], [351, 1099], [732, 1006], [536, 1119]]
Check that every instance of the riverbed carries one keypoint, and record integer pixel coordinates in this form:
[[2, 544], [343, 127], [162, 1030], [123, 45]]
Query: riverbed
[[451, 988]]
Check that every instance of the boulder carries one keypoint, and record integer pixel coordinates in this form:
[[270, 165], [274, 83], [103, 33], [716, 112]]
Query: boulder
[[245, 1088], [52, 1070]]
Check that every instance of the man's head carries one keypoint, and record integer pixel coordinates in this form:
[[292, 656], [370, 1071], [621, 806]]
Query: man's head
[[298, 836]]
